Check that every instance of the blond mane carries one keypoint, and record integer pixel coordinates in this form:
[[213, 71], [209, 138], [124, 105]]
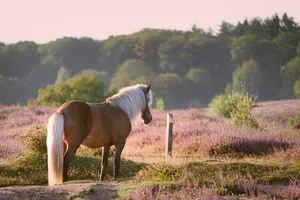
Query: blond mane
[[131, 100]]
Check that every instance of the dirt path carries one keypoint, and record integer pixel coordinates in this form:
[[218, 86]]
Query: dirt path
[[91, 191]]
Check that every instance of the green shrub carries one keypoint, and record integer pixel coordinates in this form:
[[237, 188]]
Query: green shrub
[[224, 104], [79, 87], [31, 102], [35, 139], [236, 106], [294, 122], [160, 104], [241, 115], [297, 88], [158, 172]]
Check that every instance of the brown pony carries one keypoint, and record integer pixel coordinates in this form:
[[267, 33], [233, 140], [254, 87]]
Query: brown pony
[[94, 125]]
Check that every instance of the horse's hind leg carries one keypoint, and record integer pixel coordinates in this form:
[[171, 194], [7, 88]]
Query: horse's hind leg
[[73, 143], [104, 163], [119, 149], [67, 159]]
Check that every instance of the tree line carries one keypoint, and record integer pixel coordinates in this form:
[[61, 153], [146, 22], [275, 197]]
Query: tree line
[[185, 68]]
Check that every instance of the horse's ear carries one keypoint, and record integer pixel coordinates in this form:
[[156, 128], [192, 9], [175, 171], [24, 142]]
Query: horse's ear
[[147, 89]]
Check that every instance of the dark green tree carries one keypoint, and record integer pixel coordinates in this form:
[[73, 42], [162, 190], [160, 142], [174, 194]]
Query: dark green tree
[[289, 25], [99, 75], [17, 60], [131, 72], [116, 50], [74, 54], [146, 47], [290, 74], [273, 27], [170, 87], [63, 74], [170, 54], [243, 48], [287, 43], [247, 77]]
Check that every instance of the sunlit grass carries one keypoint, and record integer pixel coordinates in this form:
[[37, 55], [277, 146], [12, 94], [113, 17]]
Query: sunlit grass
[[32, 170]]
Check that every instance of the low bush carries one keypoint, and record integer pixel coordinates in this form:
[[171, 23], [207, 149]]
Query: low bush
[[160, 104], [241, 115], [237, 107], [251, 147], [224, 104], [294, 122], [35, 139]]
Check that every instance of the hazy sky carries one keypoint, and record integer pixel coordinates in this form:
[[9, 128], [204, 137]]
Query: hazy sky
[[42, 21]]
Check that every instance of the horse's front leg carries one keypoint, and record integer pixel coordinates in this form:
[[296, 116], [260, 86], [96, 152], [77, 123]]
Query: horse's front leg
[[104, 163], [119, 149]]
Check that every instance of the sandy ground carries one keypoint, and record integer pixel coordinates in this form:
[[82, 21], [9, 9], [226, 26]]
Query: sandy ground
[[91, 191]]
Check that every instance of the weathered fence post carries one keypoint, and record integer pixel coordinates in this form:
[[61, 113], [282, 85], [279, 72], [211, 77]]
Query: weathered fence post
[[169, 135]]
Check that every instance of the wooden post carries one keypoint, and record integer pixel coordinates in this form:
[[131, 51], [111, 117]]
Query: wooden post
[[169, 135]]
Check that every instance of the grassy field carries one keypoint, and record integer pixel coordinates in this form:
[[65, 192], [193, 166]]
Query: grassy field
[[211, 158]]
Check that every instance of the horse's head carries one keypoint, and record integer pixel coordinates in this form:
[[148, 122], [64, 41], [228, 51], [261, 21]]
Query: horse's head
[[146, 114]]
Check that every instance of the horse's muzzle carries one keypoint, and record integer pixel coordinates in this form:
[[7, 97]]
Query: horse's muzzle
[[148, 120]]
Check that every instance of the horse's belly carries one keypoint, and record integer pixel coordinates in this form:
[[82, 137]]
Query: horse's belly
[[94, 140]]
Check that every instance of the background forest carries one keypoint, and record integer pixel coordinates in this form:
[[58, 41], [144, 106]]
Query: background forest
[[185, 68]]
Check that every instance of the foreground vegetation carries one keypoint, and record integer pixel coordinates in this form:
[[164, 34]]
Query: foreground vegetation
[[211, 158], [217, 177]]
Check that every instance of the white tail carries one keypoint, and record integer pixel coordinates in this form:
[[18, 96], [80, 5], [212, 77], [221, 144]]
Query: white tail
[[55, 131]]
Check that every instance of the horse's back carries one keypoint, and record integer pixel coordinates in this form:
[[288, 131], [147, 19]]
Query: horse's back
[[110, 126]]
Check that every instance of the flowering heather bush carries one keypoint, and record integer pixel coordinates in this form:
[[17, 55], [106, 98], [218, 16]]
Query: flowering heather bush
[[246, 187], [195, 132], [172, 192], [226, 174], [221, 180], [288, 155], [200, 133], [14, 122], [292, 191], [276, 111]]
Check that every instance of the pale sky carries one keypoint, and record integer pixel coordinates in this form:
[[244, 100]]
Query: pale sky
[[42, 21]]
